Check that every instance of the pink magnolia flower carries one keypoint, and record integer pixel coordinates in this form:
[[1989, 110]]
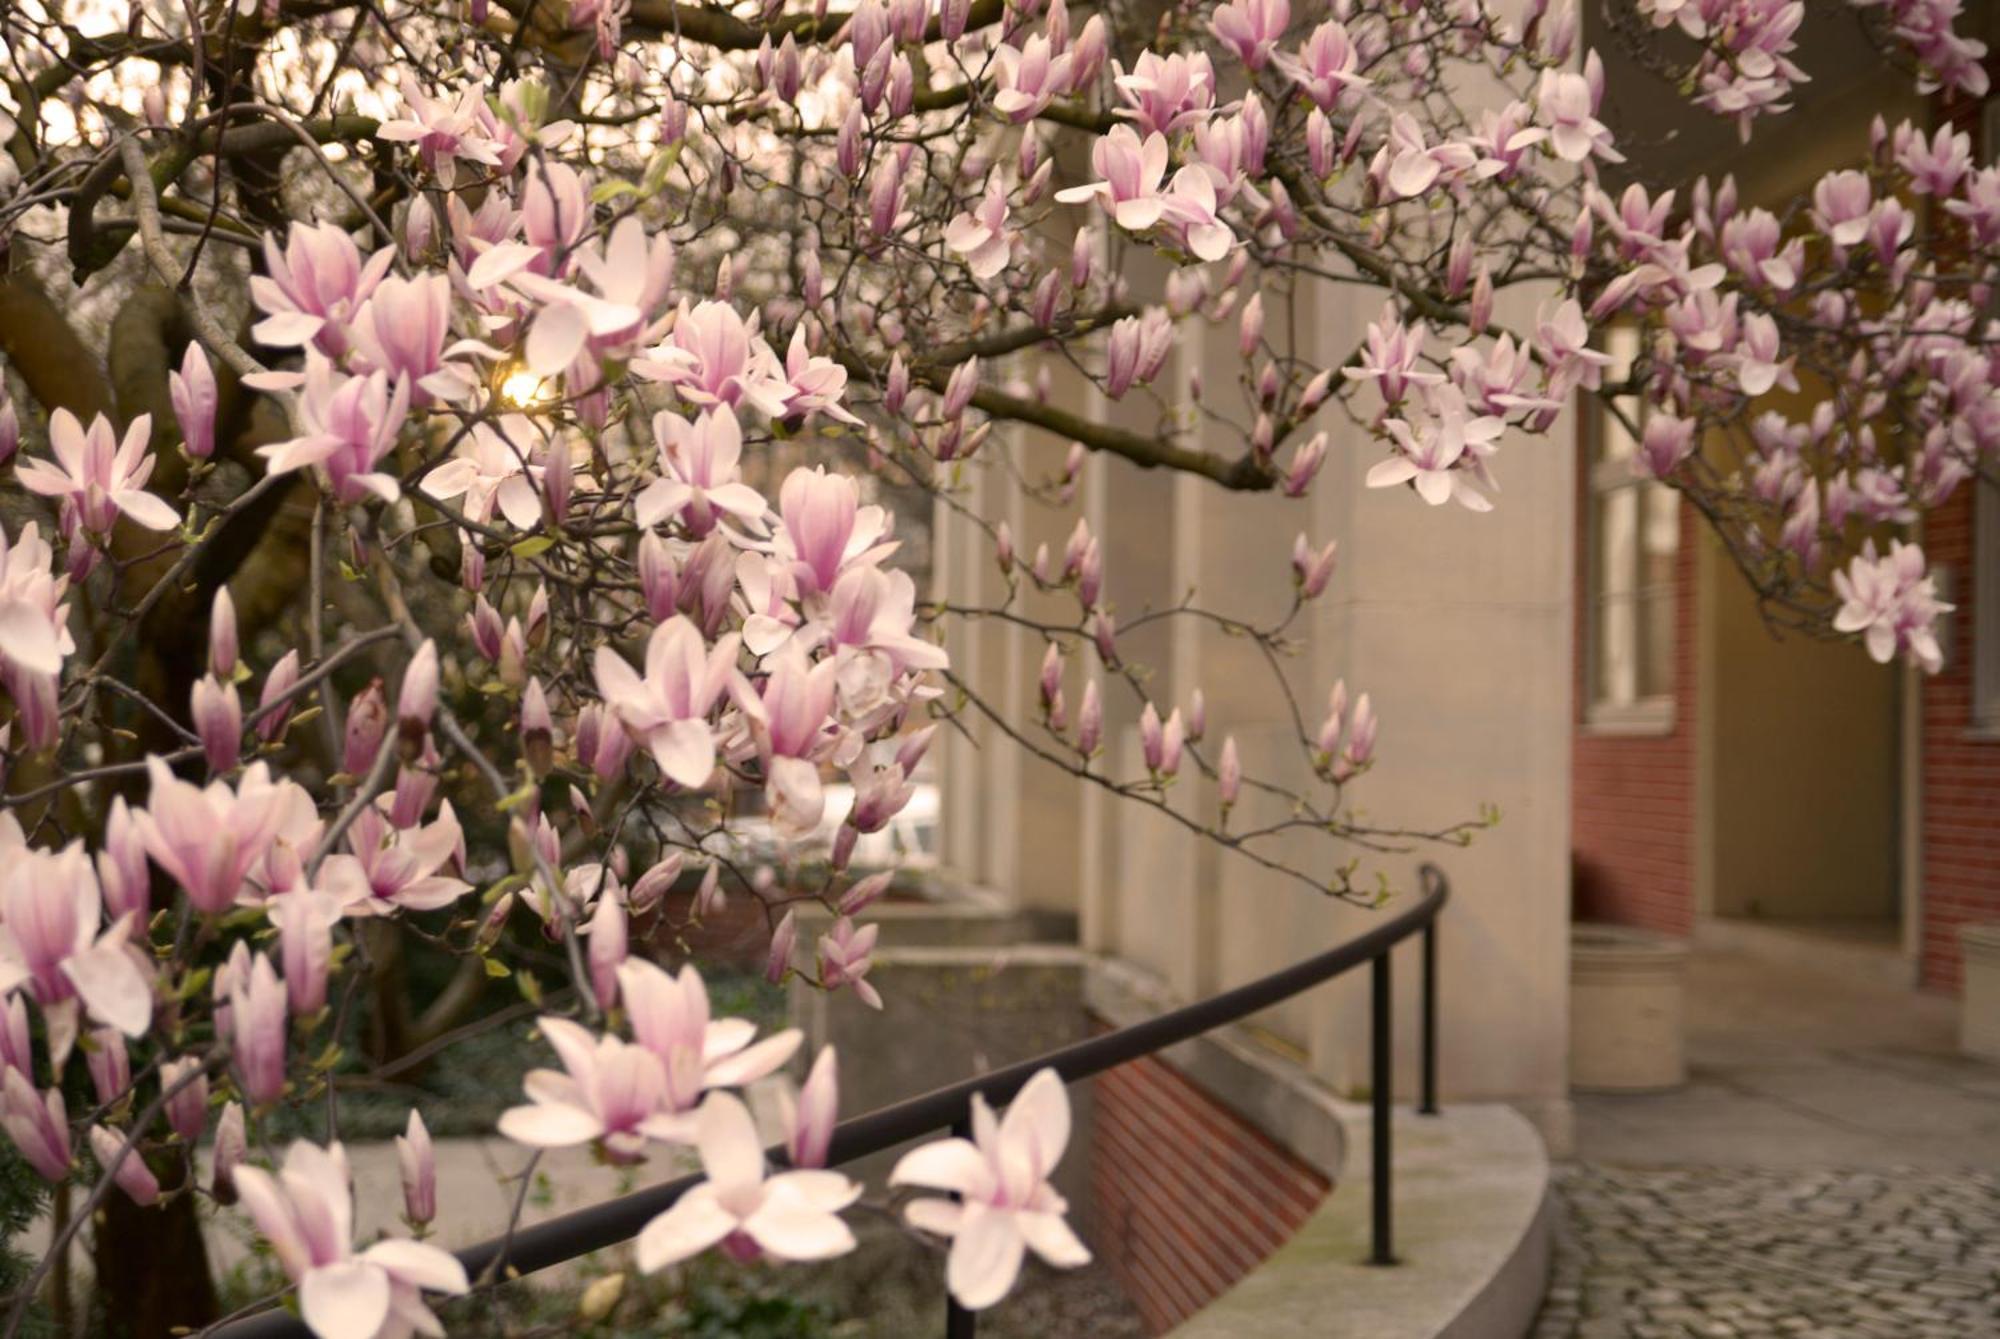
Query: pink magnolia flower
[[400, 331], [1392, 356], [666, 711], [1438, 452], [192, 392], [1166, 94], [208, 840], [1841, 204], [1130, 172], [713, 356], [386, 868], [793, 1215], [37, 1123], [671, 1022], [1567, 104], [701, 464], [1027, 78], [844, 959], [52, 946], [97, 476], [34, 621], [812, 383], [826, 527], [311, 290], [1892, 602], [306, 1212], [1251, 28], [609, 1091], [496, 463], [1006, 1205], [350, 424], [981, 236], [445, 133], [1325, 65]]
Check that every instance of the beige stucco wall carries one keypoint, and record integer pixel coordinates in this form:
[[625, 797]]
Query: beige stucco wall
[[1458, 624], [1801, 766]]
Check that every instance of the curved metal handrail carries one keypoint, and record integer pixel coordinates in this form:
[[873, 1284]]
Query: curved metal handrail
[[582, 1231]]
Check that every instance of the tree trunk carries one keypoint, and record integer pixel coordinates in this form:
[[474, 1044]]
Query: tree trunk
[[152, 1269]]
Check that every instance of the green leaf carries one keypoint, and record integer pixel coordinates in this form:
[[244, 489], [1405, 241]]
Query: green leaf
[[533, 546]]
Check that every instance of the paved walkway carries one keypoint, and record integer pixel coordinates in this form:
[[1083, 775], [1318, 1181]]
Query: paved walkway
[[1831, 1171]]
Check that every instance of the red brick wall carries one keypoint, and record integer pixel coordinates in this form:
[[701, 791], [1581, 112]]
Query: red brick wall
[[1187, 1196], [1961, 789], [1632, 796]]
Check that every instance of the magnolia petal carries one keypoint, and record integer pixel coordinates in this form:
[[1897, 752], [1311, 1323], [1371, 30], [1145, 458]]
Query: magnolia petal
[[754, 1063], [556, 338], [985, 1258], [693, 1225], [1049, 1236], [112, 987], [792, 1229], [348, 1300], [147, 509], [685, 752], [416, 1263], [947, 1164], [549, 1126], [28, 638], [1388, 473]]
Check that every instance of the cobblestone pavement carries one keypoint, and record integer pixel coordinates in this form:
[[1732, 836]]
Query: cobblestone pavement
[[1707, 1251]]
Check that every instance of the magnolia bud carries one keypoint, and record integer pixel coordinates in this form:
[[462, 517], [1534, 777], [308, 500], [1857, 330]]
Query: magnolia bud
[[187, 1108], [192, 393], [231, 1147], [367, 723], [958, 391], [1250, 326], [778, 962], [222, 635], [1480, 310], [417, 700], [109, 1064], [1229, 775], [1090, 721], [271, 722], [537, 729], [416, 1159], [218, 720]]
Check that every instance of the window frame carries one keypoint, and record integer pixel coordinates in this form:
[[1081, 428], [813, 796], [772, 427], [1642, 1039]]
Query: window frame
[[1604, 476], [1985, 573]]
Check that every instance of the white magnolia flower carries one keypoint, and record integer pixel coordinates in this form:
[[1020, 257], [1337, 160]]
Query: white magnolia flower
[[1006, 1204], [794, 1215]]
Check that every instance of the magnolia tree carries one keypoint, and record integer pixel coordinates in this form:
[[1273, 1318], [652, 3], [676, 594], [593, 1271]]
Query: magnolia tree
[[488, 495]]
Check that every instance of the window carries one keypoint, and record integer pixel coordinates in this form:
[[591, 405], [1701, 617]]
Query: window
[[1985, 583], [1985, 595], [1632, 527]]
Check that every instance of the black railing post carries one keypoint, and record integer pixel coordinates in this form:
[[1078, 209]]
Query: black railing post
[[1382, 1249], [959, 1323], [1429, 1106]]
